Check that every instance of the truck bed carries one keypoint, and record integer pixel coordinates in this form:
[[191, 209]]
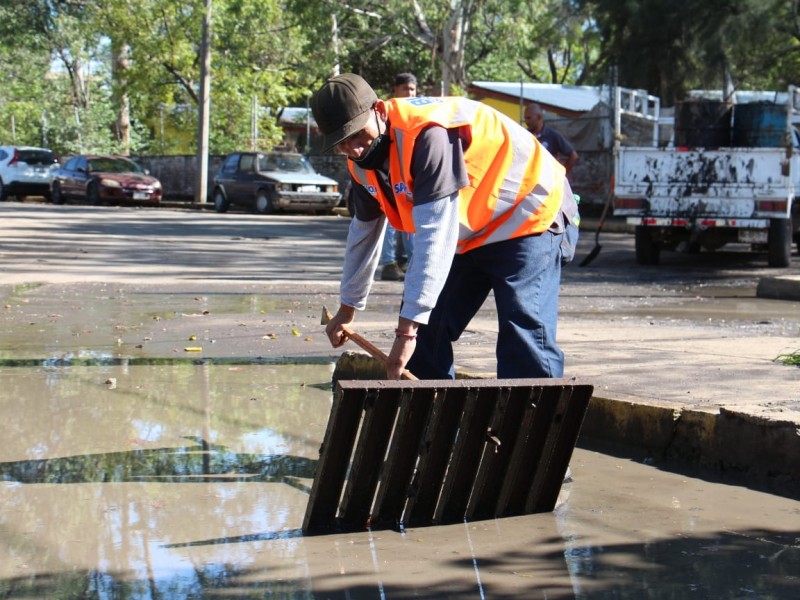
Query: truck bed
[[725, 182]]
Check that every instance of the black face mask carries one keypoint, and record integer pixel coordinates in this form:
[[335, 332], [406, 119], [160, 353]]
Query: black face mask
[[378, 151]]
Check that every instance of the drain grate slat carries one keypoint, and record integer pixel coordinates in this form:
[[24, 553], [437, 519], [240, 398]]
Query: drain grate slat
[[379, 415], [434, 455], [494, 464], [398, 470]]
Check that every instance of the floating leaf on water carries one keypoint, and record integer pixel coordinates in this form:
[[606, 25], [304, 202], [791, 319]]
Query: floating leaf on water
[[308, 339], [294, 331], [193, 349], [192, 338]]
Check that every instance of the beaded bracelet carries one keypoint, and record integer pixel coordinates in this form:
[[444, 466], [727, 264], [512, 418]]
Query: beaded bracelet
[[403, 334]]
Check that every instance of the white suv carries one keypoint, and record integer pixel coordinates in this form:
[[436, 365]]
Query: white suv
[[26, 171]]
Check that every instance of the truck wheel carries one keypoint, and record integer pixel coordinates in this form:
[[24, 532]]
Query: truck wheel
[[779, 243], [56, 197], [647, 248], [221, 203], [93, 194]]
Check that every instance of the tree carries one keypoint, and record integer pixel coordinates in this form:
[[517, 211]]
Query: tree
[[670, 47]]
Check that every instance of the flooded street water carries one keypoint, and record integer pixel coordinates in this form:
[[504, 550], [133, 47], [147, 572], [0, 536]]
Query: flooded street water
[[190, 479]]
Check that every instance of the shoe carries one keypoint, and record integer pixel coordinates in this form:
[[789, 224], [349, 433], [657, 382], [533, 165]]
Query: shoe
[[392, 272]]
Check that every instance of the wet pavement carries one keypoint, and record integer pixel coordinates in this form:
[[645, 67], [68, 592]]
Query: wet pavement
[[163, 377]]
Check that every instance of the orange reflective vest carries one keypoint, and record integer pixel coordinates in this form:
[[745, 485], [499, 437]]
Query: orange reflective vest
[[515, 185]]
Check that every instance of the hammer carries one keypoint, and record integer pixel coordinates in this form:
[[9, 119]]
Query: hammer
[[371, 348]]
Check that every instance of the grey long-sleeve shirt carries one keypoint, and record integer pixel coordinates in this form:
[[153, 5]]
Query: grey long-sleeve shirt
[[435, 243]]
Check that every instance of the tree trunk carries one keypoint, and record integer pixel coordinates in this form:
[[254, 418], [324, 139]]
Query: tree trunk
[[454, 35], [120, 65]]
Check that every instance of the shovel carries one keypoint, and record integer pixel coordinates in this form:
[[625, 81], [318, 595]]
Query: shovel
[[364, 343], [597, 247]]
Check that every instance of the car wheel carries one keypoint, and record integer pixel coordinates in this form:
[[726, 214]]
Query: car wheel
[[93, 194], [221, 203], [3, 191], [264, 203], [56, 197]]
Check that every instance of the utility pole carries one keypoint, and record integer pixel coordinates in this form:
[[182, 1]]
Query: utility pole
[[204, 101]]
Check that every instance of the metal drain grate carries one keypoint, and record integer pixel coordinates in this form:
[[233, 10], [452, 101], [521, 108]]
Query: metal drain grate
[[415, 453]]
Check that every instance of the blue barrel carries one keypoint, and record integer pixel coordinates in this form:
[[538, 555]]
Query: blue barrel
[[702, 124], [759, 125]]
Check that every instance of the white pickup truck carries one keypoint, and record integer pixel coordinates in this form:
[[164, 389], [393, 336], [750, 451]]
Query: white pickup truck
[[693, 198]]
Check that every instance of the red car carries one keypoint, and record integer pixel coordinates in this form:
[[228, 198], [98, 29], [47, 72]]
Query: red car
[[104, 179]]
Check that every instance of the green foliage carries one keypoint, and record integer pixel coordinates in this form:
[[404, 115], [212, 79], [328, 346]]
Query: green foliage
[[671, 47], [789, 359], [72, 66]]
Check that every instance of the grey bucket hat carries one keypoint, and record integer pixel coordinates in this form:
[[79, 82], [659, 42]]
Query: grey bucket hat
[[341, 107]]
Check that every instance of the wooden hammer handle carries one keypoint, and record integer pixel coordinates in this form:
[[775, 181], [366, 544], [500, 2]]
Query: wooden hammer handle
[[371, 348]]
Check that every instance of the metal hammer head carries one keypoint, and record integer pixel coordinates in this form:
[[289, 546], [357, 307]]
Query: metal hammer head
[[326, 316]]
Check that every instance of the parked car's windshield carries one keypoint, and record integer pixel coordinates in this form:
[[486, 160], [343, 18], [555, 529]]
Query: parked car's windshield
[[113, 165], [286, 163]]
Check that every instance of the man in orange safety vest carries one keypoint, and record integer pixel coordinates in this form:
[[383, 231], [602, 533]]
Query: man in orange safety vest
[[490, 208]]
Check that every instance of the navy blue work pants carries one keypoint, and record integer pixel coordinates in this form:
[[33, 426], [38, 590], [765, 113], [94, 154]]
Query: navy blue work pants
[[525, 275]]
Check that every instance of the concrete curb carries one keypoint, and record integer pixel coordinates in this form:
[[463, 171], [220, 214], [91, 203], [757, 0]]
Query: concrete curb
[[731, 442], [786, 287]]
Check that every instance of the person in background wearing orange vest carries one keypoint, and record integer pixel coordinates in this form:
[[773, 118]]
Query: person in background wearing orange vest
[[491, 211], [405, 86]]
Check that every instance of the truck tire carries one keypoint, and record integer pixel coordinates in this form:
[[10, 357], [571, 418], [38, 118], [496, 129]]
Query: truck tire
[[648, 250], [56, 196], [779, 243], [221, 203]]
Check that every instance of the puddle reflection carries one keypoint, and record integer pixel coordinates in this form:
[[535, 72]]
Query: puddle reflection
[[189, 480]]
